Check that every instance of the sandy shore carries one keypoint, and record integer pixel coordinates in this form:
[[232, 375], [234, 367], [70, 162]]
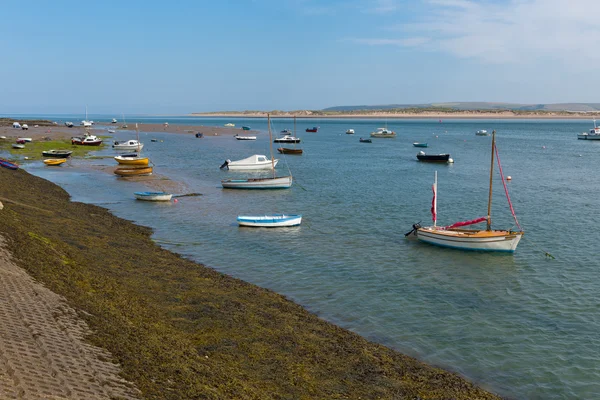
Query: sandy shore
[[412, 115]]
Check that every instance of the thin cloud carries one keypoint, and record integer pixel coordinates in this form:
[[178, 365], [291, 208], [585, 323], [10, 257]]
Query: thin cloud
[[382, 7], [513, 31], [409, 42]]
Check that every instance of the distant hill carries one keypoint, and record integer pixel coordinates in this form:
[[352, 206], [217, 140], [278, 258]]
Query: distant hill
[[465, 106]]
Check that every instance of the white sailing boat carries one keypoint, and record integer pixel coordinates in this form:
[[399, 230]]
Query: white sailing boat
[[86, 123], [273, 182], [471, 239]]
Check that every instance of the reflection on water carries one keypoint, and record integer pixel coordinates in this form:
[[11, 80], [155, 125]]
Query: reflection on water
[[507, 322]]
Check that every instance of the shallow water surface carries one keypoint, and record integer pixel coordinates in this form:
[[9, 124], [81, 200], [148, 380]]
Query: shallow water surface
[[522, 325]]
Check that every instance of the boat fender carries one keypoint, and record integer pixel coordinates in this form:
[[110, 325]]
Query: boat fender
[[225, 164]]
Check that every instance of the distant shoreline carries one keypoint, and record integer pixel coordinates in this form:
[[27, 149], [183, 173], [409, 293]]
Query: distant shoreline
[[411, 115]]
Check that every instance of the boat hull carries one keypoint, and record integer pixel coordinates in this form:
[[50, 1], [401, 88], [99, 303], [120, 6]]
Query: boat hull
[[133, 171], [434, 157], [383, 135], [283, 182], [238, 137], [420, 144], [132, 160], [284, 150], [269, 221], [57, 153], [7, 164], [153, 196], [128, 147], [55, 161], [464, 239], [585, 136]]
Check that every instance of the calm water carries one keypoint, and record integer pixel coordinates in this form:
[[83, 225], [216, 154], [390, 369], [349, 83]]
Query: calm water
[[522, 325]]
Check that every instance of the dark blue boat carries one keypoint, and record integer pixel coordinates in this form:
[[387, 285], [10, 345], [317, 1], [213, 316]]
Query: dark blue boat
[[7, 164]]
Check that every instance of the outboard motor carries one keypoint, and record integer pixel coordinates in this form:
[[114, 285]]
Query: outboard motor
[[414, 229], [225, 164]]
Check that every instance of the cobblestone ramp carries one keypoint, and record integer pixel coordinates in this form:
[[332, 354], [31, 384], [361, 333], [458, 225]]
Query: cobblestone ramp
[[42, 351]]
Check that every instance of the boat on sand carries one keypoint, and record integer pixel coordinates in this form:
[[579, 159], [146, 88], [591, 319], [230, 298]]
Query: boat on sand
[[153, 196]]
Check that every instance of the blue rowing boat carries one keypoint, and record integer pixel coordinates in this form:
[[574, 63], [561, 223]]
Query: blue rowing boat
[[7, 164]]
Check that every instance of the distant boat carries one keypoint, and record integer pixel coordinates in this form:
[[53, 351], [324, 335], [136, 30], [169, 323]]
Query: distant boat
[[287, 139], [133, 171], [199, 135], [153, 196], [18, 146], [230, 124], [128, 145], [255, 162], [286, 132], [69, 124], [273, 182], [383, 133], [57, 153], [55, 161], [24, 139], [455, 236], [421, 156], [313, 129], [289, 150], [114, 121], [594, 134], [365, 140], [240, 137], [85, 123], [416, 144], [350, 132], [7, 164], [269, 221], [482, 132], [245, 128], [111, 131]]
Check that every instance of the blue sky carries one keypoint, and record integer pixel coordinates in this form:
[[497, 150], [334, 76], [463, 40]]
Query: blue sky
[[189, 56]]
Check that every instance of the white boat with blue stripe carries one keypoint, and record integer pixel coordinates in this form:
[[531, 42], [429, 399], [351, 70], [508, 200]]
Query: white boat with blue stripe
[[153, 196], [269, 221]]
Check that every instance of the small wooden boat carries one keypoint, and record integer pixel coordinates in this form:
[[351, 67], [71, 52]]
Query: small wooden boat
[[55, 161], [416, 144], [133, 171], [287, 150], [57, 153], [240, 137], [245, 128], [7, 164], [18, 146], [421, 156], [313, 129], [153, 196], [365, 140], [135, 160], [269, 221]]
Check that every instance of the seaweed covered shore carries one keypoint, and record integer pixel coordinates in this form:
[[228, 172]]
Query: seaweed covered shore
[[180, 330]]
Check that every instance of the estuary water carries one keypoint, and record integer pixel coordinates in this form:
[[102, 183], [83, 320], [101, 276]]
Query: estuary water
[[525, 326]]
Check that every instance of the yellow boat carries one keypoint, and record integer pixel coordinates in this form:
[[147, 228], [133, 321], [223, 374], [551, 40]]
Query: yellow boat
[[132, 160], [133, 171], [55, 161]]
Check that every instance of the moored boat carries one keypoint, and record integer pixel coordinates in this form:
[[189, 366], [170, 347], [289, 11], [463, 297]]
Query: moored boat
[[128, 145], [254, 162], [313, 129], [417, 144], [55, 161], [383, 133], [133, 171], [230, 125], [287, 150], [88, 140], [131, 160], [287, 139], [153, 196], [18, 146], [245, 128], [454, 236], [7, 164], [365, 140], [243, 137], [482, 132], [350, 132], [269, 221], [421, 156], [593, 134]]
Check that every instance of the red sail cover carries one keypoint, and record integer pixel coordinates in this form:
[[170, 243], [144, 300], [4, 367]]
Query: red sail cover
[[465, 223], [433, 214]]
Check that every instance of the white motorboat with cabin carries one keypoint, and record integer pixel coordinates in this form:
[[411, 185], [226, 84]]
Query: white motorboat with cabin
[[128, 145], [593, 134], [255, 162], [383, 133]]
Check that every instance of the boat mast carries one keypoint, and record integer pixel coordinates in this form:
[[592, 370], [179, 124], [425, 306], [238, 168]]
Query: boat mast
[[271, 144], [434, 199], [295, 131], [489, 213]]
